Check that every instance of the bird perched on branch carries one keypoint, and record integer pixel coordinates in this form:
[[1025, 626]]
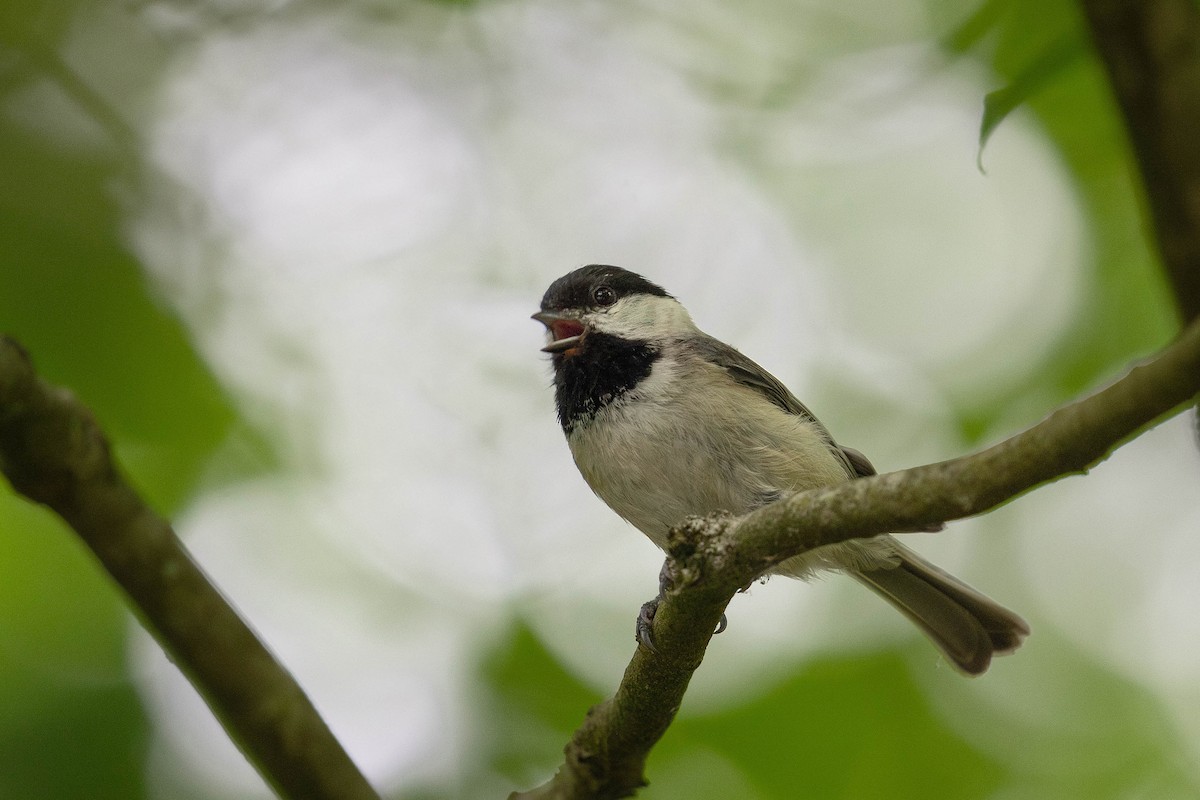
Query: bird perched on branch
[[666, 422]]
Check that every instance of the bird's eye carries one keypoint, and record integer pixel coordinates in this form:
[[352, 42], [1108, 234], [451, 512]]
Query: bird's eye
[[604, 295]]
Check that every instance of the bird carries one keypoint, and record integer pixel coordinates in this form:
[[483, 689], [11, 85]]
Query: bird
[[665, 422]]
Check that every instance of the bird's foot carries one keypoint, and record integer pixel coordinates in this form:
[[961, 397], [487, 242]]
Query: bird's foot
[[645, 625], [644, 628]]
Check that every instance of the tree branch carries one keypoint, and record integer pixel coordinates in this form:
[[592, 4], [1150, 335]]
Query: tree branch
[[712, 558], [53, 452], [1151, 49]]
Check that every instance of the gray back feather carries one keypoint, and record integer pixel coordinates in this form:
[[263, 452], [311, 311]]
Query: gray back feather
[[748, 373]]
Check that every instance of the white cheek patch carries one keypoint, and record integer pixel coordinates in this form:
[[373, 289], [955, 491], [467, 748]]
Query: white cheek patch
[[644, 317]]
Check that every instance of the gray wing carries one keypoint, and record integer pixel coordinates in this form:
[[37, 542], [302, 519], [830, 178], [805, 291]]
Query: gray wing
[[748, 373], [862, 466]]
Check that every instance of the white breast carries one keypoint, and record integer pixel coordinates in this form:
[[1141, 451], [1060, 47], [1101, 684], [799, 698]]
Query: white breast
[[667, 449]]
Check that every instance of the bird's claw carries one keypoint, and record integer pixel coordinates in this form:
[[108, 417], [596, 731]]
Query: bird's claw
[[666, 578], [645, 621], [645, 625]]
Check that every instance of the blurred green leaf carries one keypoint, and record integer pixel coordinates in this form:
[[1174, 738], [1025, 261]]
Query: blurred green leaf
[[1045, 726], [1059, 56], [71, 727], [83, 743], [808, 737], [1126, 310], [47, 20], [73, 293], [971, 30], [849, 727], [76, 298], [538, 705], [58, 611]]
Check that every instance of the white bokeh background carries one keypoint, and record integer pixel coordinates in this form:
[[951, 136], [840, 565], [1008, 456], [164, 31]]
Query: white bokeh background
[[369, 213]]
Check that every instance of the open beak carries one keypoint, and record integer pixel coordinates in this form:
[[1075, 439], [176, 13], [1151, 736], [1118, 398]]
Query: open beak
[[565, 330]]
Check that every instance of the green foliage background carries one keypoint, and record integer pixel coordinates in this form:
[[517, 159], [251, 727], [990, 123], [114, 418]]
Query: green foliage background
[[71, 725]]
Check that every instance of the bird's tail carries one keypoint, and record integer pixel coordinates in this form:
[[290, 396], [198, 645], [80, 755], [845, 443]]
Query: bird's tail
[[966, 626]]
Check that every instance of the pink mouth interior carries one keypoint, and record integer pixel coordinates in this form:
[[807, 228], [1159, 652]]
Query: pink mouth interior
[[565, 329]]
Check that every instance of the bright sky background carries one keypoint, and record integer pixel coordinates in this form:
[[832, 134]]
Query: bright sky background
[[355, 219]]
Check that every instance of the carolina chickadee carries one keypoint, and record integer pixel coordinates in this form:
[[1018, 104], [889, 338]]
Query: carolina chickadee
[[665, 422]]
